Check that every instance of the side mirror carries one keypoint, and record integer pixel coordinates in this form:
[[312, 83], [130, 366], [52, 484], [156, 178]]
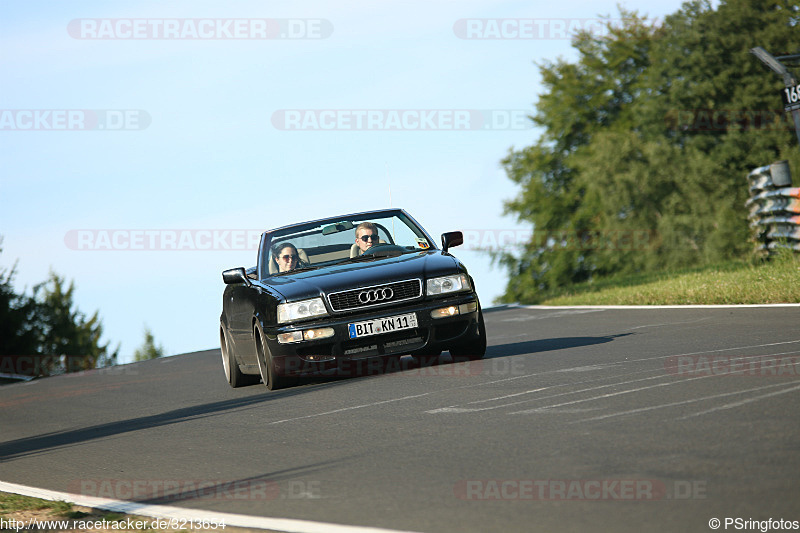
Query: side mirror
[[452, 238], [235, 275]]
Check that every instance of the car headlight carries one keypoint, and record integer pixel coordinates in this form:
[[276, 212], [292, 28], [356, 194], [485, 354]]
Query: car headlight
[[445, 284], [305, 335], [289, 312]]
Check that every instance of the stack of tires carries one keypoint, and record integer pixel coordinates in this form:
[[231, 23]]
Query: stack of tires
[[774, 208]]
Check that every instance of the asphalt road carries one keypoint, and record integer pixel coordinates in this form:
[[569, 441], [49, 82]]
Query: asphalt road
[[577, 420]]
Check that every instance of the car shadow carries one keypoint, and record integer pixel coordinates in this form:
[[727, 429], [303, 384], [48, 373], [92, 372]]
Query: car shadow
[[547, 345], [276, 485], [498, 351], [34, 445]]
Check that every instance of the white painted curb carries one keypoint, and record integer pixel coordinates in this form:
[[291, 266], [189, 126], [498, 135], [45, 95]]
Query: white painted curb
[[717, 306], [166, 512]]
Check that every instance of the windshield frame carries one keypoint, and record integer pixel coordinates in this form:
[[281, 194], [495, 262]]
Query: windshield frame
[[268, 237]]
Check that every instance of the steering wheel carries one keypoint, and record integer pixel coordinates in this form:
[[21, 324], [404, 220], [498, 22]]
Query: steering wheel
[[383, 247]]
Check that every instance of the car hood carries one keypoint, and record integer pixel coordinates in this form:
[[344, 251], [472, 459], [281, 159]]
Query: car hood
[[334, 278]]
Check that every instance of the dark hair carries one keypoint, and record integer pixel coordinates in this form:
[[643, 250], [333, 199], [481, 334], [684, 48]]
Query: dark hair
[[276, 250]]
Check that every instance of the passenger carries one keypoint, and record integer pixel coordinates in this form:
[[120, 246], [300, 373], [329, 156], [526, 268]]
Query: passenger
[[286, 257], [366, 236]]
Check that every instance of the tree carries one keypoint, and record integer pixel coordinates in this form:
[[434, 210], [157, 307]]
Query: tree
[[148, 350], [65, 332], [647, 140], [47, 331], [17, 316], [581, 101]]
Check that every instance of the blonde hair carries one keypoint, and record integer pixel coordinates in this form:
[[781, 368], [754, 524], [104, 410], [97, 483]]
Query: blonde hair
[[367, 225]]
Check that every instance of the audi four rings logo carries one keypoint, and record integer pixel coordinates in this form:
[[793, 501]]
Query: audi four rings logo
[[375, 295]]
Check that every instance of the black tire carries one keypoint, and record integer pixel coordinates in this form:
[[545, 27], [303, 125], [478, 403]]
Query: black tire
[[426, 357], [475, 348], [392, 363], [266, 365], [230, 367]]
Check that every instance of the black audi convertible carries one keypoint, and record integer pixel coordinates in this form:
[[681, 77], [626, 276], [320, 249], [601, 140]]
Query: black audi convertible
[[326, 296]]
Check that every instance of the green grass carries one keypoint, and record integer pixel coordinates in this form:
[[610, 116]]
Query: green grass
[[16, 505], [763, 282], [10, 503], [13, 503], [57, 510]]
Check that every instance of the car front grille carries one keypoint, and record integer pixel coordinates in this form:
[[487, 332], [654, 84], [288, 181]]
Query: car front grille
[[377, 295]]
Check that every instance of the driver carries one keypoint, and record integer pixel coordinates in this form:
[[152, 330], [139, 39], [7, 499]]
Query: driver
[[366, 236], [286, 256]]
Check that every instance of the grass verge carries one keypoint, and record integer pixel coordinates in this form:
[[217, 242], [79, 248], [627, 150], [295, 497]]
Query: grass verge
[[764, 282], [12, 503], [18, 513]]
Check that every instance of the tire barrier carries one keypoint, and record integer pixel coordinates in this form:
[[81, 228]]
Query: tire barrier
[[774, 208]]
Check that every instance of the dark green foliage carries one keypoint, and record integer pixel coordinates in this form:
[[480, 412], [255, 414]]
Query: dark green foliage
[[148, 350], [65, 331], [647, 142], [47, 331], [18, 314]]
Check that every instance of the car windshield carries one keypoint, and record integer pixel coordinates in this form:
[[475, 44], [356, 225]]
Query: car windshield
[[334, 240]]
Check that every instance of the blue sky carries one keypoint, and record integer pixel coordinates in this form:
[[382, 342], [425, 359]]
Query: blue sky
[[206, 154]]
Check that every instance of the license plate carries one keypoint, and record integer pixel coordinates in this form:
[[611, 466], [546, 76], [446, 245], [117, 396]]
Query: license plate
[[382, 325]]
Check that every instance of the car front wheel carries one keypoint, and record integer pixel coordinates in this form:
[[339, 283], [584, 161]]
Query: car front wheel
[[474, 348], [234, 376], [266, 365]]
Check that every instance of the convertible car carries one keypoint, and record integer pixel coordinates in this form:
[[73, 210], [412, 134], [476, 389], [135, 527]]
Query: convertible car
[[330, 294]]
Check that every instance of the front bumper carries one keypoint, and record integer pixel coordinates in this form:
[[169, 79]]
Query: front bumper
[[341, 352]]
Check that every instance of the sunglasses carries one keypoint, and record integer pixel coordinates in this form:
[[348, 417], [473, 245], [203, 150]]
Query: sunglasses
[[366, 238], [288, 257]]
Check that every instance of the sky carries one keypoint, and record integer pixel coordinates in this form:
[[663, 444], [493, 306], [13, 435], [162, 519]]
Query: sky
[[144, 146]]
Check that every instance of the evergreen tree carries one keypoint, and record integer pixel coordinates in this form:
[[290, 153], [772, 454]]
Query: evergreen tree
[[66, 332], [17, 317], [647, 140], [148, 350], [47, 330]]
